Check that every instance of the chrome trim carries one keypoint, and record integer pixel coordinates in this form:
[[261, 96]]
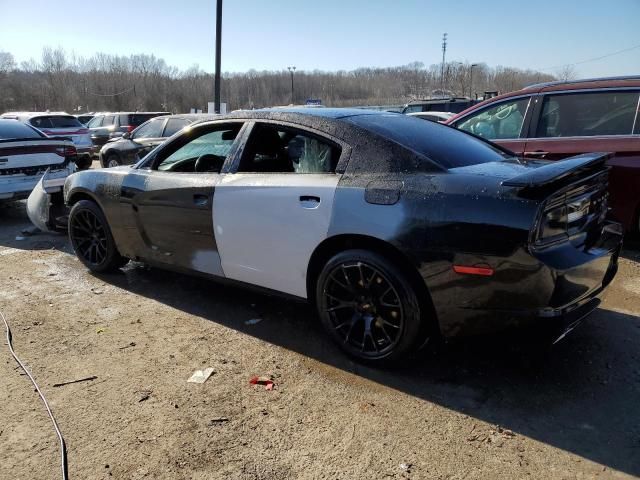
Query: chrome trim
[[585, 137]]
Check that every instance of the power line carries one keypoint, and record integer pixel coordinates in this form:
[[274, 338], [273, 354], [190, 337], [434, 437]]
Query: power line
[[591, 59], [113, 94]]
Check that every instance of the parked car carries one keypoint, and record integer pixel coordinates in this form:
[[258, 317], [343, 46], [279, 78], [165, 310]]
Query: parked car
[[449, 104], [397, 229], [26, 154], [105, 126], [433, 116], [84, 118], [557, 120], [131, 147], [60, 125]]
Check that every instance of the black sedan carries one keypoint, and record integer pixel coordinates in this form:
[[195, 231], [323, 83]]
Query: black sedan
[[396, 229], [131, 147]]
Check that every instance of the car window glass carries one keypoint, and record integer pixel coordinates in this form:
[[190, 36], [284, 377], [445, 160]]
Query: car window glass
[[65, 122], [587, 114], [108, 120], [16, 129], [502, 121], [205, 153], [152, 129], [41, 122], [276, 149], [95, 122], [441, 144], [174, 125]]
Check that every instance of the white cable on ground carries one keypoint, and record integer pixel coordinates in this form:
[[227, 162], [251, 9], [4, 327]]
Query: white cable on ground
[[63, 448]]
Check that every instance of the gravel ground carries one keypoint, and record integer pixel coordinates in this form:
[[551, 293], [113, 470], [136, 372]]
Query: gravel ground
[[500, 407]]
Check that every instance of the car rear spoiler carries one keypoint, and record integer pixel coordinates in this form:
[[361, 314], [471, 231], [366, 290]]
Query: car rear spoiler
[[558, 171]]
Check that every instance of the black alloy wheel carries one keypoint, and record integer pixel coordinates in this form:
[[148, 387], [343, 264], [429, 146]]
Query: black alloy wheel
[[91, 238], [368, 306]]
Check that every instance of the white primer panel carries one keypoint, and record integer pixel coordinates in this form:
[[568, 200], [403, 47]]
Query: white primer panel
[[265, 233]]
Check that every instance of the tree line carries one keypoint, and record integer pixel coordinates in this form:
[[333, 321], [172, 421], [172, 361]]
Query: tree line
[[105, 82]]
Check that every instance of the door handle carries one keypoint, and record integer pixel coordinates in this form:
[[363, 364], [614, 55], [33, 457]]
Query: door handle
[[309, 201], [200, 199], [537, 153]]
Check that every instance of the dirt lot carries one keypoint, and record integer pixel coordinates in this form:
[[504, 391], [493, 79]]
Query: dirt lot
[[481, 408]]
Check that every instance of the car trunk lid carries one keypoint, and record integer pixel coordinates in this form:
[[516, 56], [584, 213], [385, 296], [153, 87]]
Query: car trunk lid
[[33, 156]]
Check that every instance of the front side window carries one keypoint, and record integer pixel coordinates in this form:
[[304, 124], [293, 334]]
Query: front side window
[[108, 120], [205, 153], [587, 114], [278, 149], [501, 122], [152, 129]]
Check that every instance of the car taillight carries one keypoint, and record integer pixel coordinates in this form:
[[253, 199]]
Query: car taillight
[[66, 151], [572, 217], [131, 128]]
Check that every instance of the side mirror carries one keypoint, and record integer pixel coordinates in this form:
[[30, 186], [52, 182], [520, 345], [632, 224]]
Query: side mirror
[[126, 135]]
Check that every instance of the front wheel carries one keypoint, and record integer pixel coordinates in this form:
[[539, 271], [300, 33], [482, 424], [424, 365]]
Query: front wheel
[[91, 238], [112, 161], [368, 306]]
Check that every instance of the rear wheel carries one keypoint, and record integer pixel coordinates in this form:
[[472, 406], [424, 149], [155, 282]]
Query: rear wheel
[[91, 238], [368, 306]]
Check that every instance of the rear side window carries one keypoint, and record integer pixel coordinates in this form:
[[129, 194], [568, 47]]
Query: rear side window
[[587, 114], [444, 145], [276, 149], [15, 129], [174, 125]]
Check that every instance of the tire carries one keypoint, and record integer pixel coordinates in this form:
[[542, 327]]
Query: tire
[[84, 163], [112, 160], [369, 307], [91, 238]]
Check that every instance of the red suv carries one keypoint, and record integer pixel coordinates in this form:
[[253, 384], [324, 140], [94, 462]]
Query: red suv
[[556, 120]]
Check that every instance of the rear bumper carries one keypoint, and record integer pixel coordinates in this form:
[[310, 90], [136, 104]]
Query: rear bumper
[[555, 289], [17, 187]]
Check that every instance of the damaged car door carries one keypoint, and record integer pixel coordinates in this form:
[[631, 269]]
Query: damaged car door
[[167, 206], [275, 205]]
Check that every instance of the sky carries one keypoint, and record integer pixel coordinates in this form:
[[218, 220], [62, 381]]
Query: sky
[[335, 34]]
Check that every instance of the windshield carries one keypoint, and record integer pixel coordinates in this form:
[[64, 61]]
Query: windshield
[[442, 144]]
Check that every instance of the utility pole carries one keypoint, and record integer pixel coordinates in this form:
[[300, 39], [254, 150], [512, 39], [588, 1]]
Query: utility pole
[[216, 85], [444, 52], [291, 70], [471, 80]]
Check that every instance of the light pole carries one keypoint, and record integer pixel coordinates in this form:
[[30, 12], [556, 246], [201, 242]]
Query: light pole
[[291, 69], [471, 80], [216, 87]]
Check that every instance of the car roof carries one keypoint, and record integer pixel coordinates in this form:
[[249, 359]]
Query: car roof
[[333, 113], [35, 114]]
